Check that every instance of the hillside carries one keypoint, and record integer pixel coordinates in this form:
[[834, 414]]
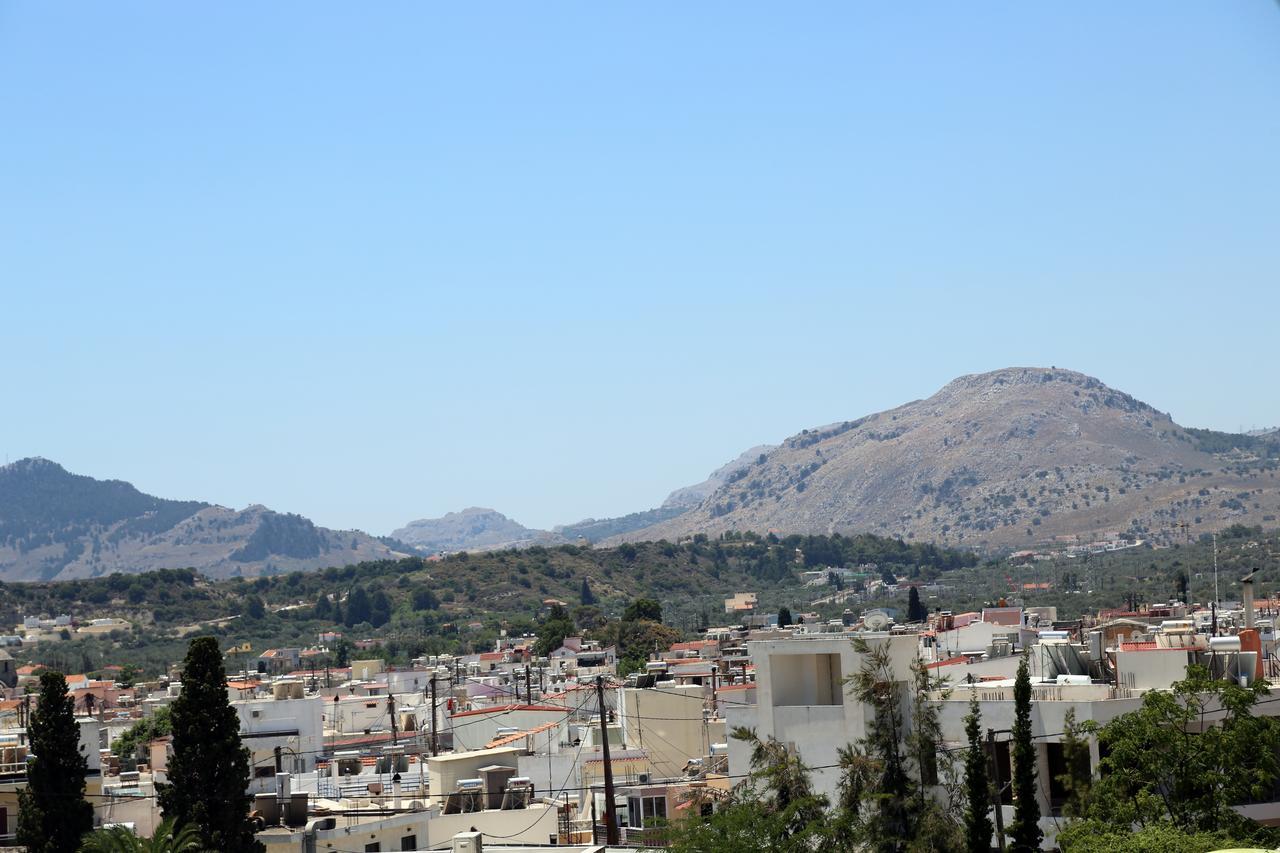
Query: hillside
[[999, 460], [475, 528], [430, 604], [478, 529], [55, 524]]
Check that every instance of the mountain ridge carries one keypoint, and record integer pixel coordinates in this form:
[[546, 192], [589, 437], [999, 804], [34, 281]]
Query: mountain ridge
[[997, 460], [58, 525]]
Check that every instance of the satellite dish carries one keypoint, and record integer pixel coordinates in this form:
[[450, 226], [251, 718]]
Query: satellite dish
[[876, 620]]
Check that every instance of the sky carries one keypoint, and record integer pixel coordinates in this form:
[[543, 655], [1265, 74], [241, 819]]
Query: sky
[[378, 262]]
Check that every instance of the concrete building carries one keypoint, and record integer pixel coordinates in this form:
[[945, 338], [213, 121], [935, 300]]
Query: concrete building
[[287, 720], [801, 698]]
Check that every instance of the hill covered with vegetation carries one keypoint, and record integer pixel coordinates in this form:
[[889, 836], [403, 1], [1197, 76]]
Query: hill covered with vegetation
[[458, 603]]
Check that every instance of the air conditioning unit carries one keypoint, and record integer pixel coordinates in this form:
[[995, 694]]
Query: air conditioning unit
[[468, 842], [644, 778]]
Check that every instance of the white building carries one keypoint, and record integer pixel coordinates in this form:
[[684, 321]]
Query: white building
[[287, 720]]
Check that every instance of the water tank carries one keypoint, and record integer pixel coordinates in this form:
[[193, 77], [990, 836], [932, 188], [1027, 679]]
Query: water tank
[[1224, 644], [286, 689]]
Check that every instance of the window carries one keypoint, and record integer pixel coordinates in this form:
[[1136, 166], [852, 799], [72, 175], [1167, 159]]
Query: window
[[409, 842], [645, 811], [633, 811], [373, 847], [371, 704]]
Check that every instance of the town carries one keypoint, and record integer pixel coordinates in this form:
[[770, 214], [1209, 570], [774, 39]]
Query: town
[[510, 749]]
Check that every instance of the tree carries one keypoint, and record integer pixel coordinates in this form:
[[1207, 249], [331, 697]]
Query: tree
[[209, 770], [254, 608], [379, 608], [1093, 836], [1181, 583], [142, 732], [168, 838], [323, 608], [585, 595], [643, 608], [1161, 770], [892, 786], [359, 608], [916, 611], [1024, 832], [977, 816], [1077, 777], [425, 599], [897, 761], [784, 616], [775, 811], [52, 811], [552, 631]]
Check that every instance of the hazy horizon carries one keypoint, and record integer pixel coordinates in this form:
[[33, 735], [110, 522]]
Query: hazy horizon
[[377, 265]]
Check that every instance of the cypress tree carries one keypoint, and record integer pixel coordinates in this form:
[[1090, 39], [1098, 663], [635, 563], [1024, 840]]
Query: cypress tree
[[52, 810], [977, 819], [1024, 832], [585, 595], [915, 610], [209, 771]]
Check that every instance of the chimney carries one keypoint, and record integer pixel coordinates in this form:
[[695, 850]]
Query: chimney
[[1247, 583], [395, 792], [283, 790]]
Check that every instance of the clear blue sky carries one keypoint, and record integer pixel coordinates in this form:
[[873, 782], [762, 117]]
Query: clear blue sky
[[376, 262]]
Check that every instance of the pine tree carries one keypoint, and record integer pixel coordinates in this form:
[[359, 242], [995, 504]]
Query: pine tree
[[977, 818], [323, 608], [52, 811], [1024, 832], [209, 771]]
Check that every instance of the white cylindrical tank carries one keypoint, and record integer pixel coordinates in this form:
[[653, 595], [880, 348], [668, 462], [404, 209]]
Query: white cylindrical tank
[[1224, 644]]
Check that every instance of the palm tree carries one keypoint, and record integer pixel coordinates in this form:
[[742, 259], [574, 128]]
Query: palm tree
[[167, 838]]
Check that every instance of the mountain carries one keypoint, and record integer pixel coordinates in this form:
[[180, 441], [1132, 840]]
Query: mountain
[[479, 529], [473, 529], [690, 496], [59, 525], [1005, 459]]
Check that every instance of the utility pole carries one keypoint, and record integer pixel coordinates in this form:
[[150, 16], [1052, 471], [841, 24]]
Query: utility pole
[[391, 709], [1216, 598], [996, 788], [434, 748], [528, 687], [610, 809], [279, 761]]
